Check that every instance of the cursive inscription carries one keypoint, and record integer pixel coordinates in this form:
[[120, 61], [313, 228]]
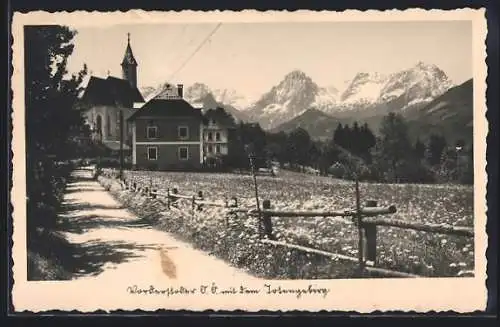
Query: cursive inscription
[[166, 291], [214, 289], [298, 291]]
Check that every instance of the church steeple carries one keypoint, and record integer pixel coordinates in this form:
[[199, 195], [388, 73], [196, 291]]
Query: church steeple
[[129, 65]]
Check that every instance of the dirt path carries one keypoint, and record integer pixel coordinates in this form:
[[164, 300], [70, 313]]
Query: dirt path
[[112, 244]]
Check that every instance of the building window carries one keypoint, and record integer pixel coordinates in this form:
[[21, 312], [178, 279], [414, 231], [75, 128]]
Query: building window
[[217, 148], [209, 148], [214, 122], [183, 153], [183, 132], [210, 136], [152, 132], [217, 136], [152, 153]]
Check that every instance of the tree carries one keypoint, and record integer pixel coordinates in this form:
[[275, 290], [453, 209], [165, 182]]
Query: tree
[[435, 147], [248, 136], [355, 144], [52, 125], [393, 149], [276, 147], [299, 143], [339, 135], [419, 149], [368, 140], [314, 154]]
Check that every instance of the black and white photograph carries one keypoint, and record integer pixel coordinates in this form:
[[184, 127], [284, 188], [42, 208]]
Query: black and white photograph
[[250, 161]]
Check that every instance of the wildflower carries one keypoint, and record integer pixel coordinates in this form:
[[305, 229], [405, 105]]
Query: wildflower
[[453, 265], [462, 264], [444, 241]]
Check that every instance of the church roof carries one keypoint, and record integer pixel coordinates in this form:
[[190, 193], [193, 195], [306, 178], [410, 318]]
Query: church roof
[[111, 91], [128, 58], [167, 108]]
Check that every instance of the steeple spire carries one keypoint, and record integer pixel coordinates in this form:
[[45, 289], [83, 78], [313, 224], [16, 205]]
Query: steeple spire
[[129, 58], [129, 65]]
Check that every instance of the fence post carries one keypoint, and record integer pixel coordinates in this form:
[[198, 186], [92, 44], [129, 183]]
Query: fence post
[[173, 200], [232, 204], [266, 219], [370, 231], [200, 197], [134, 187], [168, 198], [360, 229], [193, 202]]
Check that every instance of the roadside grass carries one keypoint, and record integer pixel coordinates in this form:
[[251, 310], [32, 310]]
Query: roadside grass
[[47, 256]]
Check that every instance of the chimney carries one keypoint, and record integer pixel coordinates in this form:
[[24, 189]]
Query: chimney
[[180, 90]]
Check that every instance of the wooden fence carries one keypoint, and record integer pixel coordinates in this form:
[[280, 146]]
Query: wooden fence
[[366, 219]]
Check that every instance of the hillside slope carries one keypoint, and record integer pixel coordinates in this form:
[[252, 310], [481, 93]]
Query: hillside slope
[[450, 115]]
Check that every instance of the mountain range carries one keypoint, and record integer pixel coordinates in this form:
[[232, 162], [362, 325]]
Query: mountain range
[[450, 114], [297, 101]]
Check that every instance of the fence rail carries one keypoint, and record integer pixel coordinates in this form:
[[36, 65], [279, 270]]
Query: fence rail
[[366, 218], [424, 227], [367, 211]]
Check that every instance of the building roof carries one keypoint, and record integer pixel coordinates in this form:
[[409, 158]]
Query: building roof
[[221, 116], [111, 91], [175, 107]]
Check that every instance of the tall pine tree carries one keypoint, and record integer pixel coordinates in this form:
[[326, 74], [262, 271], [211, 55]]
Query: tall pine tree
[[52, 124]]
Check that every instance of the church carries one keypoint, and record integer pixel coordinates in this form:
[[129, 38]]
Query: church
[[103, 99], [164, 133]]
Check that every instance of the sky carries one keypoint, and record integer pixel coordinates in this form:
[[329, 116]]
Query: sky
[[252, 57]]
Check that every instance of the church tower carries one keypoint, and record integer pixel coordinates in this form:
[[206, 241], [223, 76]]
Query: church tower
[[129, 65]]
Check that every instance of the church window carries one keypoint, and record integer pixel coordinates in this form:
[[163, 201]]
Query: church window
[[108, 125], [210, 136], [99, 124], [217, 136], [217, 148]]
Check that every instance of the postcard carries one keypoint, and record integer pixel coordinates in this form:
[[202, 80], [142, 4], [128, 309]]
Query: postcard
[[249, 161]]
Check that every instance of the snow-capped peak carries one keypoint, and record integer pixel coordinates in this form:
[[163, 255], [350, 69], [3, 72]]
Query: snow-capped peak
[[422, 82], [364, 87]]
